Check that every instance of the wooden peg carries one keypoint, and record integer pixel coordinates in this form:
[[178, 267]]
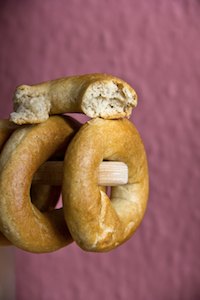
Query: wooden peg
[[111, 173]]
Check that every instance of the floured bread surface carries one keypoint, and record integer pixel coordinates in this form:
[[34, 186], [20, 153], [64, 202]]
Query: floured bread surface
[[96, 95]]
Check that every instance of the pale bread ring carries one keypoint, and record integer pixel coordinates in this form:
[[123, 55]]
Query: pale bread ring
[[96, 95], [95, 222], [20, 221]]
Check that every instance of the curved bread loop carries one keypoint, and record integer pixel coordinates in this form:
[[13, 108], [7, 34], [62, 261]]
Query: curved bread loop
[[96, 222], [20, 221], [96, 95], [44, 197], [6, 129]]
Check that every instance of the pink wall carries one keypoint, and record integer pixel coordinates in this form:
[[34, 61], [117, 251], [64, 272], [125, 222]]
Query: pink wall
[[155, 46]]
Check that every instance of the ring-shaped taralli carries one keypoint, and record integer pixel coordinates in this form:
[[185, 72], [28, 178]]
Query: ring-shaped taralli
[[96, 95], [20, 221], [6, 129], [96, 222], [44, 197]]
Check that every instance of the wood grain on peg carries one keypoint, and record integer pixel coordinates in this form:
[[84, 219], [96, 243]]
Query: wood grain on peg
[[111, 173]]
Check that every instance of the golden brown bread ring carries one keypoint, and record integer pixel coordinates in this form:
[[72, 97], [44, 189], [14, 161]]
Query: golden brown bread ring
[[95, 222], [44, 197], [20, 221], [6, 129], [96, 95]]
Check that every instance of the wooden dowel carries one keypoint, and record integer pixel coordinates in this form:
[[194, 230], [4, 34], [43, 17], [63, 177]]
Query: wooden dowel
[[111, 173]]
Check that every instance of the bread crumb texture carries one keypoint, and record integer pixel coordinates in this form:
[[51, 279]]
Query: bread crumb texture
[[96, 95], [108, 99]]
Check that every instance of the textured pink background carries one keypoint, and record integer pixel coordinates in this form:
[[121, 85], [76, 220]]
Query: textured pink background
[[155, 46]]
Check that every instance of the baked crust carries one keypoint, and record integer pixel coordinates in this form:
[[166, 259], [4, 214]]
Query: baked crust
[[96, 95], [44, 197], [6, 129], [96, 222], [20, 221]]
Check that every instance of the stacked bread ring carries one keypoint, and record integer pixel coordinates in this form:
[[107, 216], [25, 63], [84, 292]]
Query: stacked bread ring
[[95, 221]]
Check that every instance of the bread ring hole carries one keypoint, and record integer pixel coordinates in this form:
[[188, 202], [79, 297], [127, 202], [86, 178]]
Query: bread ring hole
[[108, 191], [114, 173], [59, 203], [45, 197]]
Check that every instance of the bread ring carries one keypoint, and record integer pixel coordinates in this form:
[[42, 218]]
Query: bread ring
[[20, 221], [6, 129], [44, 197], [96, 95], [95, 222]]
